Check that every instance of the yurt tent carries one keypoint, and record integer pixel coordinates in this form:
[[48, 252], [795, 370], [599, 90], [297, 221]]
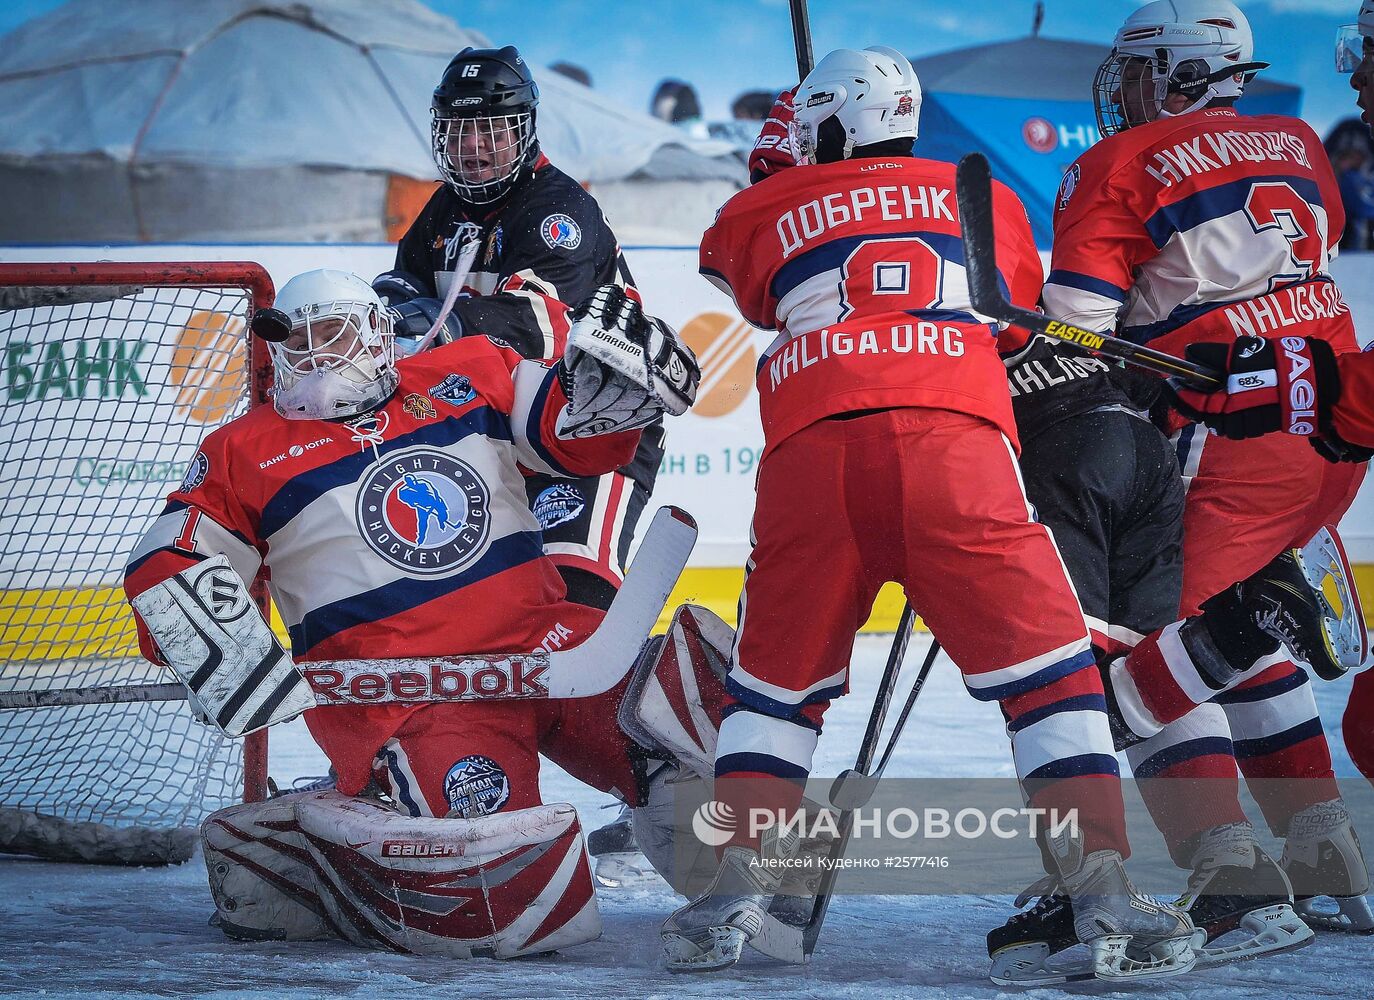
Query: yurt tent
[[1027, 104], [268, 120]]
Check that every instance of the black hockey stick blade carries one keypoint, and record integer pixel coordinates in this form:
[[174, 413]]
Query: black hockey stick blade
[[973, 191]]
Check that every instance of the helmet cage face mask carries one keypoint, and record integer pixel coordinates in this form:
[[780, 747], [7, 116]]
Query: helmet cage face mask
[[1354, 45], [481, 157], [346, 364]]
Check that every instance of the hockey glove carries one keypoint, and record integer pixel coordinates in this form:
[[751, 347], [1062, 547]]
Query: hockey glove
[[413, 319], [1286, 384], [773, 149], [395, 287], [622, 369]]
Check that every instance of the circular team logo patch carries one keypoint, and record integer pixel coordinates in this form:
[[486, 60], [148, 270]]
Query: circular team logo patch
[[476, 786], [196, 473], [1068, 186], [424, 511], [560, 230]]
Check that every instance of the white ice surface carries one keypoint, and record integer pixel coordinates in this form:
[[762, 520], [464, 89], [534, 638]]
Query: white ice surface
[[67, 930]]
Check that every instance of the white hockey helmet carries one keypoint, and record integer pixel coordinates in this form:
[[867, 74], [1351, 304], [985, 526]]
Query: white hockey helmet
[[852, 98], [332, 344], [1202, 49], [1353, 40]]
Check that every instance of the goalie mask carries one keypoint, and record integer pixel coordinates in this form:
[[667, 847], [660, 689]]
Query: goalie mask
[[333, 349], [1172, 57], [482, 123], [855, 98]]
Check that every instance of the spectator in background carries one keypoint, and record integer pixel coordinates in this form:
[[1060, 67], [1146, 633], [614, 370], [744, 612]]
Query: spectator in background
[[753, 105], [1351, 151], [573, 72]]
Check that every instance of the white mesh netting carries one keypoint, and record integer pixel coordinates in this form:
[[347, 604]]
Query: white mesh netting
[[105, 401]]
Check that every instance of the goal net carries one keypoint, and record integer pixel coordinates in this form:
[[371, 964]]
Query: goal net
[[112, 374]]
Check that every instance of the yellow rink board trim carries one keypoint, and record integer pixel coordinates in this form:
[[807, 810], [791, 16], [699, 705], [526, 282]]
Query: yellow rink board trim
[[95, 623]]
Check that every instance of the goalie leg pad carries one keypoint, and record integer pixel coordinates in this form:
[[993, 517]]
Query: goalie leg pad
[[500, 886], [677, 690]]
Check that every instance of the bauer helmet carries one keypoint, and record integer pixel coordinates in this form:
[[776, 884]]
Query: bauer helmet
[[332, 345], [1353, 41], [855, 98], [482, 123], [1200, 49]]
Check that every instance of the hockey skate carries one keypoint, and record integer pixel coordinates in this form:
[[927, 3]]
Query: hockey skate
[[1286, 602], [617, 859], [1323, 860], [710, 932], [1129, 935], [1236, 888]]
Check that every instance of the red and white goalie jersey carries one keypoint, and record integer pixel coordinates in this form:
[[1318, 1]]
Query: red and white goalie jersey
[[406, 533], [859, 266], [1178, 230]]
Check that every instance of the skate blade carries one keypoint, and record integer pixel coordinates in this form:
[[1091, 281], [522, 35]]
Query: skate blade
[[1351, 915], [1171, 957], [720, 950], [626, 870], [1029, 965], [1272, 929]]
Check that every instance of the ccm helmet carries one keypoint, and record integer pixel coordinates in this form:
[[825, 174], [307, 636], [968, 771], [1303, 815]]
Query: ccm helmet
[[482, 123], [1201, 49], [855, 98]]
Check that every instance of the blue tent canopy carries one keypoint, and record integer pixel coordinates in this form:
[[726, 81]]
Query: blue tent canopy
[[1027, 104]]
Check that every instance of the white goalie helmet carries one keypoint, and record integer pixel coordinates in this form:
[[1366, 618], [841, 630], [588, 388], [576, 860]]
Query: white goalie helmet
[[1353, 40], [1200, 49], [332, 344], [853, 98]]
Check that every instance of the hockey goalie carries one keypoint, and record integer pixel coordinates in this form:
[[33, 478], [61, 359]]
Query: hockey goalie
[[386, 502]]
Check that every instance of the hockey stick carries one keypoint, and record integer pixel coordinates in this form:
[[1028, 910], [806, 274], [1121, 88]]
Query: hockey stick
[[886, 687], [591, 668], [853, 788], [801, 37], [973, 184]]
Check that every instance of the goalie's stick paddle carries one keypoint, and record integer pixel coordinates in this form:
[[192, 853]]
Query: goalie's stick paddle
[[801, 37], [973, 187]]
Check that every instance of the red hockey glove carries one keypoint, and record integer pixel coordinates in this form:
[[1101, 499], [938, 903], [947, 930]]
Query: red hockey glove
[[773, 150], [1285, 384]]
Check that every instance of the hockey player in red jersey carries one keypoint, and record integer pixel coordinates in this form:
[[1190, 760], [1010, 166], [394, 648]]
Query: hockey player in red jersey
[[890, 455], [1314, 392], [1191, 223], [386, 503]]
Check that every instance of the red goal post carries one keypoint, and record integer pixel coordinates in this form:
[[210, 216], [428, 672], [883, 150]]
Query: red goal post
[[112, 373]]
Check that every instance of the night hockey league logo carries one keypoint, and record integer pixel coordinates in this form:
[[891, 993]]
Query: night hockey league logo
[[1068, 186], [476, 786], [560, 230], [456, 390], [424, 511]]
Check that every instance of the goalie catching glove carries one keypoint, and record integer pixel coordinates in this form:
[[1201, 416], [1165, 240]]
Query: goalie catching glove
[[622, 369]]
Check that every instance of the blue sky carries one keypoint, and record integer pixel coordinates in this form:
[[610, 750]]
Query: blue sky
[[726, 46]]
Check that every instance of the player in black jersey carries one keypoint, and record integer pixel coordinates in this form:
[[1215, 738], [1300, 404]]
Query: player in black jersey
[[1106, 482], [505, 233]]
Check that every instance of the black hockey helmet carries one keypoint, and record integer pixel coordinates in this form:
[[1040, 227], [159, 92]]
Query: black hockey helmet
[[482, 123]]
